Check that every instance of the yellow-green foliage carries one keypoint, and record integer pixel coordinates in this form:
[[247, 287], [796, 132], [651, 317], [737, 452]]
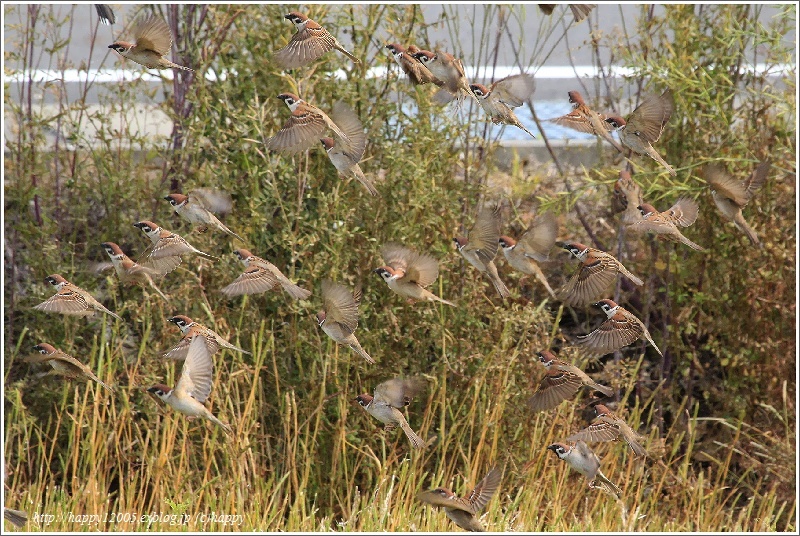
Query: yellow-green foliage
[[304, 456]]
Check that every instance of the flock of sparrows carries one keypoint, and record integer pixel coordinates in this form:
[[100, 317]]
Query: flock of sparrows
[[407, 272]]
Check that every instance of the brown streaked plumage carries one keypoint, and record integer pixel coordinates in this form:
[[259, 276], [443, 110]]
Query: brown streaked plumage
[[71, 300], [481, 246], [309, 43], [731, 195], [63, 364], [532, 247], [339, 316], [305, 127], [584, 119], [581, 458], [665, 224], [608, 427], [261, 276], [166, 248], [463, 511], [620, 329], [408, 273], [499, 100], [387, 400], [593, 278], [152, 42], [129, 271], [561, 381], [415, 70]]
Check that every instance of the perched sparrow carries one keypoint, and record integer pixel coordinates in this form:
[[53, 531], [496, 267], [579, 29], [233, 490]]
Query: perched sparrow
[[584, 119], [597, 272], [532, 246], [581, 458], [193, 211], [346, 162], [619, 330], [608, 427], [408, 273], [627, 196], [665, 224], [105, 13], [194, 385], [499, 99], [561, 382], [71, 299], [18, 518], [463, 511], [481, 247], [386, 401], [732, 195], [190, 328], [645, 125], [127, 270], [450, 71], [309, 43], [415, 70], [153, 41], [261, 276], [306, 127], [63, 364], [579, 11], [164, 254], [339, 316]]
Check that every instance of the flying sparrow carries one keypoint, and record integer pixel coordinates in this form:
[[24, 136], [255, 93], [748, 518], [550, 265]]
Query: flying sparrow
[[584, 119], [450, 71], [152, 41], [164, 254], [579, 11], [627, 196], [463, 511], [346, 161], [63, 364], [581, 458], [645, 125], [129, 271], [309, 43], [189, 328], [597, 272], [500, 98], [193, 211], [305, 127], [665, 224], [561, 382], [732, 195], [387, 400], [71, 299], [608, 427], [339, 316], [480, 249], [194, 385], [261, 276], [619, 330], [105, 14], [532, 246], [18, 518], [408, 273], [415, 70]]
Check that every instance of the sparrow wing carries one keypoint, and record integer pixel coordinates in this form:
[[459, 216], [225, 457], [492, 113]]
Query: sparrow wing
[[576, 121], [170, 246], [611, 335], [597, 431], [66, 302], [555, 387], [340, 305], [589, 282], [396, 256], [181, 350], [398, 392], [105, 14], [422, 269], [303, 130], [683, 212], [163, 265], [254, 280], [485, 489], [346, 119], [213, 199], [153, 34], [514, 90], [197, 375], [588, 455], [436, 498], [652, 115], [581, 11], [757, 178], [485, 234], [305, 46], [537, 241]]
